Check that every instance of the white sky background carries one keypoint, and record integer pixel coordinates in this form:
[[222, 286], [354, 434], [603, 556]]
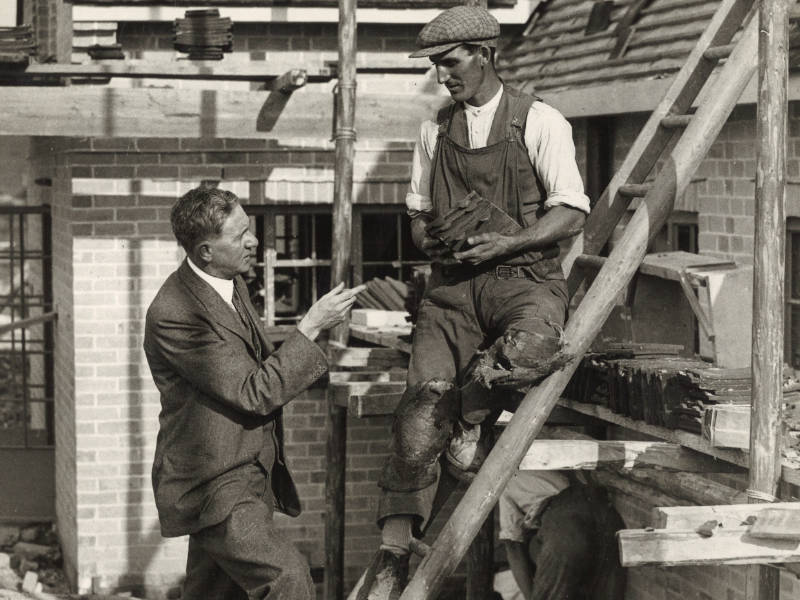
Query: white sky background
[[8, 13]]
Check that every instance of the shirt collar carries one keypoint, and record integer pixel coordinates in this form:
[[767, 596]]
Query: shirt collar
[[224, 287], [490, 106]]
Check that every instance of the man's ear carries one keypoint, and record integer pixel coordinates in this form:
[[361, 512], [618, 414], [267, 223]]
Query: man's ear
[[486, 55], [204, 252]]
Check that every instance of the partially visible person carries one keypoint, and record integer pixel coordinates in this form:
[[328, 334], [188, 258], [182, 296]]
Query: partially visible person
[[219, 470], [560, 538]]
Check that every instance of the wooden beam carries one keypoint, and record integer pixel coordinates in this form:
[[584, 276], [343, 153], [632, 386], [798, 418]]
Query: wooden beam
[[687, 486], [763, 583], [173, 70], [575, 454], [727, 515], [28, 323], [684, 438], [669, 548], [93, 111], [374, 405]]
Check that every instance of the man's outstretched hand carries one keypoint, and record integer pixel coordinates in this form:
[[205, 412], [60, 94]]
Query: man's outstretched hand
[[329, 310]]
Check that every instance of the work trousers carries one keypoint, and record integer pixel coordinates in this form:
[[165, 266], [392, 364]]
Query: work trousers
[[463, 312], [575, 550], [244, 557]]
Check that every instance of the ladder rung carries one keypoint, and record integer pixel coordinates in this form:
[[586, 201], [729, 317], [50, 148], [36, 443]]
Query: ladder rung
[[718, 52], [634, 190], [419, 547], [676, 121]]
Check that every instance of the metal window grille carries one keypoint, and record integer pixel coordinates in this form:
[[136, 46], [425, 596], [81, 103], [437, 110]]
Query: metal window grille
[[26, 334]]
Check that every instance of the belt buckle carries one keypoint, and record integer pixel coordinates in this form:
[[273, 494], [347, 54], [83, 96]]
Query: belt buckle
[[506, 272]]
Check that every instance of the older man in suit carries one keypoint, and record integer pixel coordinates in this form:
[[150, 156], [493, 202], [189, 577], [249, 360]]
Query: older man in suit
[[219, 469]]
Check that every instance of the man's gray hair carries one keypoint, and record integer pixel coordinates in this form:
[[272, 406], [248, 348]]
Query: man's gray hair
[[200, 214]]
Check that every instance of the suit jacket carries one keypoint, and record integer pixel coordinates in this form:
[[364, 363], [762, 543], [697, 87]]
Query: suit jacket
[[220, 406]]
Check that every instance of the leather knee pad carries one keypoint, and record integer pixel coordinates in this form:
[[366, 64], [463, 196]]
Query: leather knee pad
[[422, 426]]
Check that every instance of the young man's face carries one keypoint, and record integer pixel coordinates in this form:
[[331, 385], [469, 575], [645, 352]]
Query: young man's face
[[233, 252], [460, 72]]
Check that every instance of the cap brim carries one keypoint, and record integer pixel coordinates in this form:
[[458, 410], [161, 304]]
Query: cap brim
[[442, 48], [434, 50]]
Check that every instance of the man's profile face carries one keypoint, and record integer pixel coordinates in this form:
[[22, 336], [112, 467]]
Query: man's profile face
[[233, 251], [460, 72]]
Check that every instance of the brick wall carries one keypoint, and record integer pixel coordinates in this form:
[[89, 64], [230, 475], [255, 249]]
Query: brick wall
[[723, 188]]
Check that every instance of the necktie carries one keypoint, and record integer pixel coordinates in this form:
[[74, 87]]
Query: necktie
[[248, 323]]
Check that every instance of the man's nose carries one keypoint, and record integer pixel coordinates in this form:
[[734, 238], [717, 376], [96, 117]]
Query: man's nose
[[251, 241], [442, 74]]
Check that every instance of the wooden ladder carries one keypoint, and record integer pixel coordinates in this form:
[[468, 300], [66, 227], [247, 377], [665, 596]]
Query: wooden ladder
[[696, 134]]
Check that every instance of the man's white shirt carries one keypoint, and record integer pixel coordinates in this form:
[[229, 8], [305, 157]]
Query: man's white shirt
[[224, 287], [548, 138]]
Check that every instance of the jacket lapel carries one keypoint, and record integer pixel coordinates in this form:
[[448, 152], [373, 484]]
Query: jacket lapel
[[213, 303], [244, 294]]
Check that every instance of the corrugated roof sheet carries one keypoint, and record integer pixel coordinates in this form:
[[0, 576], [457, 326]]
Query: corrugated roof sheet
[[554, 52]]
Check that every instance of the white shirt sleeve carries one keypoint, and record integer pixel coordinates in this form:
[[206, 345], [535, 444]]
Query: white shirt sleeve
[[548, 137], [418, 197], [523, 497]]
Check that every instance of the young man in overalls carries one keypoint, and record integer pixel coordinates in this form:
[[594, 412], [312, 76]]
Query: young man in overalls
[[518, 153]]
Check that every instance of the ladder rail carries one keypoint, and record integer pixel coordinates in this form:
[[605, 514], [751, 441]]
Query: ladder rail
[[653, 138], [479, 499]]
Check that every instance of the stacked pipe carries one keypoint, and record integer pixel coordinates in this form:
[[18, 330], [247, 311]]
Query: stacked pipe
[[17, 45], [203, 34]]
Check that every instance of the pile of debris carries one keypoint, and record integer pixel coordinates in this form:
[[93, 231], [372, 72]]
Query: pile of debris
[[30, 562]]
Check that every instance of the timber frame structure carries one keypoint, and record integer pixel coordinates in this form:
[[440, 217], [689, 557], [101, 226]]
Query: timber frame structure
[[119, 113]]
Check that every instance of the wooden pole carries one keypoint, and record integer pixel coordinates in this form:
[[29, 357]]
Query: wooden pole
[[618, 270], [336, 425], [344, 135], [763, 582], [336, 455]]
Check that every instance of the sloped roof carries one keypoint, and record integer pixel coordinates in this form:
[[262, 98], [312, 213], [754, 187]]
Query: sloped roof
[[554, 52], [295, 3]]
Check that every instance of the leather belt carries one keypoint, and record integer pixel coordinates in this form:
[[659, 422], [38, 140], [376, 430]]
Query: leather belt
[[512, 272]]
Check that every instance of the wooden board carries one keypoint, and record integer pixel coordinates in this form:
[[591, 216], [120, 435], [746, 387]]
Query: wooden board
[[371, 358], [373, 405], [342, 393], [96, 111], [684, 438], [668, 548], [727, 426], [777, 523], [593, 454], [391, 337], [728, 515]]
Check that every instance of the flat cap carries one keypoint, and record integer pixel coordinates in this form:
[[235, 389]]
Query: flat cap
[[456, 26]]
